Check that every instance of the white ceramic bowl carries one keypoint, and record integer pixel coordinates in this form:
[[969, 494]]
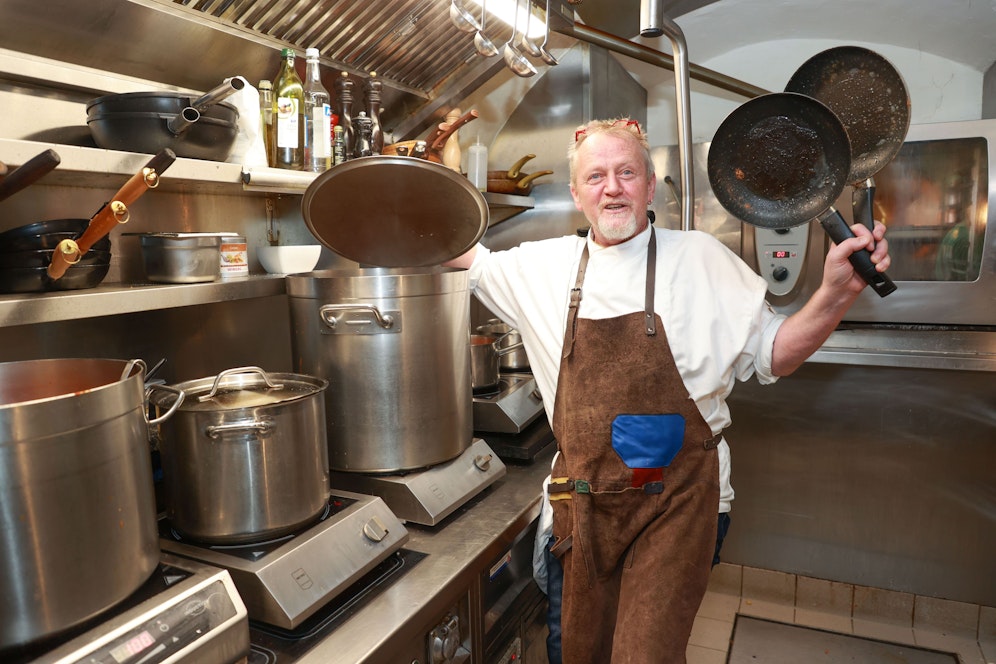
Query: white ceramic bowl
[[290, 259]]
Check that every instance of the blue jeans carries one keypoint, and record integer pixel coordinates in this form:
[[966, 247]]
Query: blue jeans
[[555, 589]]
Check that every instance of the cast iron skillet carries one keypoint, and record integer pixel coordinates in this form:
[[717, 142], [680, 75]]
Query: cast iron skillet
[[781, 160], [869, 96]]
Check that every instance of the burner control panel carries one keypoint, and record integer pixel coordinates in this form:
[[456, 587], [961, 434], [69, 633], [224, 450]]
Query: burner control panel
[[781, 256]]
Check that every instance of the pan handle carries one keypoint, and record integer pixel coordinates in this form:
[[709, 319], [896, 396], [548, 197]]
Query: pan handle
[[838, 230], [863, 201]]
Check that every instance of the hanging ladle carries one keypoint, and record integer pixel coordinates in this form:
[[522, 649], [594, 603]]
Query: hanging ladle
[[462, 18], [545, 54], [513, 57], [524, 42], [484, 46]]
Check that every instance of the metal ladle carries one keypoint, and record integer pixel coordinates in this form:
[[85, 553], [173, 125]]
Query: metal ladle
[[545, 54], [484, 46], [524, 41], [462, 18], [513, 57]]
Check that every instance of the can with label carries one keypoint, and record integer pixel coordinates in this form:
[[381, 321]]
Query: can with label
[[234, 256]]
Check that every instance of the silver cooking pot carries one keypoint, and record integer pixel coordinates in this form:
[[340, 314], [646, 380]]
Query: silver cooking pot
[[507, 337], [486, 353], [245, 458], [78, 521], [393, 344]]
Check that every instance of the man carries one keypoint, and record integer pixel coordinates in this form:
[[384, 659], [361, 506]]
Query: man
[[640, 334]]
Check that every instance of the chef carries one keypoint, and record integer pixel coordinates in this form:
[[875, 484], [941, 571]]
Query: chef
[[640, 334]]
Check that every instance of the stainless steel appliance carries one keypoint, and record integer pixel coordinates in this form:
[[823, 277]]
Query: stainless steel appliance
[[186, 613], [936, 197], [513, 404], [428, 496], [285, 581]]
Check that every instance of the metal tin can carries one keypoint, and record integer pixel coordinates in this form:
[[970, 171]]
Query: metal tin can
[[234, 257]]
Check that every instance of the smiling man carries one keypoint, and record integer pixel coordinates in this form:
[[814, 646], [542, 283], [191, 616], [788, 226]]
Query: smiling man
[[640, 334]]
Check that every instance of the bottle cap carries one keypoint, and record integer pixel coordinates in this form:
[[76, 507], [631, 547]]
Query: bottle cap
[[311, 53], [284, 52], [265, 85]]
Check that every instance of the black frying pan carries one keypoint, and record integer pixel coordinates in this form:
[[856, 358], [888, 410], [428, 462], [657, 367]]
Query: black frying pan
[[869, 96], [781, 160]]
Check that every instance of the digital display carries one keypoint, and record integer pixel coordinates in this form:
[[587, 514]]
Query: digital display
[[780, 254], [132, 647]]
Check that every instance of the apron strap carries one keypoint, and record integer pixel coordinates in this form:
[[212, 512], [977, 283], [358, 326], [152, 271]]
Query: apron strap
[[575, 304], [648, 305]]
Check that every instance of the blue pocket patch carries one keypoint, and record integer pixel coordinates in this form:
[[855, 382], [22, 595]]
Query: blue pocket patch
[[648, 441]]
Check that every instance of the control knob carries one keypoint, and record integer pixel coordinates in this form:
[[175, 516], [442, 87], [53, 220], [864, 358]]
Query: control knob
[[780, 273]]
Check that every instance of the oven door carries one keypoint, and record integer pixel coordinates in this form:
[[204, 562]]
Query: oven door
[[936, 197]]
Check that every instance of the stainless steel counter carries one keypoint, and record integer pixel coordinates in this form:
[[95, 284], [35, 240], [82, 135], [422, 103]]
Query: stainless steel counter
[[459, 549]]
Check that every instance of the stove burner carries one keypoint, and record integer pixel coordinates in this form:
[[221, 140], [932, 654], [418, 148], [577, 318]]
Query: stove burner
[[489, 390], [255, 550]]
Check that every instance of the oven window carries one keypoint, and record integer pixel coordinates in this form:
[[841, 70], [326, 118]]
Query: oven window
[[934, 199]]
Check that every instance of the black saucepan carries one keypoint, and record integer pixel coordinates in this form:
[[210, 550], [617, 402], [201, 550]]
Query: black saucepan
[[869, 96], [781, 160]]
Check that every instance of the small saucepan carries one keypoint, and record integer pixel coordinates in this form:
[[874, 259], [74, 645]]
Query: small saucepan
[[506, 336], [485, 353], [781, 160], [869, 97]]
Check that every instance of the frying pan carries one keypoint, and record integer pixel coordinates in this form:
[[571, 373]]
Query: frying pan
[[434, 143], [869, 96], [115, 212], [781, 160]]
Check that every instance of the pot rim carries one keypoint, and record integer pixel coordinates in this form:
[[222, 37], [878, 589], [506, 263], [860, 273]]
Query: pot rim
[[200, 391]]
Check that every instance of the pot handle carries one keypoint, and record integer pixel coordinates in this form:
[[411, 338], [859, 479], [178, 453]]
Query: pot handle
[[261, 427], [180, 396], [507, 349], [238, 370], [328, 314]]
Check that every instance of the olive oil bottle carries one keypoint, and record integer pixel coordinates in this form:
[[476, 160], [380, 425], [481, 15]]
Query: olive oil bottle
[[288, 115]]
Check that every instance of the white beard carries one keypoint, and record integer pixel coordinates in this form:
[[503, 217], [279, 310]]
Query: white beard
[[619, 232]]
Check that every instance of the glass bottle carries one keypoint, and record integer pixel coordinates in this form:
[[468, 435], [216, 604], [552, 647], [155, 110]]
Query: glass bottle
[[288, 109], [266, 119], [338, 146], [344, 99], [373, 88], [317, 117]]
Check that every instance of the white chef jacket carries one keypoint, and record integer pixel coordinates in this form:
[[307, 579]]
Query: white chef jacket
[[712, 305]]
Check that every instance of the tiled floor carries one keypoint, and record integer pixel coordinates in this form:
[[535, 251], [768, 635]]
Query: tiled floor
[[967, 630]]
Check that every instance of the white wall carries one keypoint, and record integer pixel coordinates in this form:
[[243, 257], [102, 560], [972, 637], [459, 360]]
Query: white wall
[[940, 90]]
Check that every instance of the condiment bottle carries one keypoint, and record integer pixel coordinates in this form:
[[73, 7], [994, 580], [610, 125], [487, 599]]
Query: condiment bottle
[[477, 165], [344, 98], [288, 108], [266, 119], [338, 145], [317, 117], [373, 88], [451, 148]]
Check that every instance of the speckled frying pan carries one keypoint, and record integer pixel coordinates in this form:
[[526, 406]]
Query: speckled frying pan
[[869, 96], [781, 160]]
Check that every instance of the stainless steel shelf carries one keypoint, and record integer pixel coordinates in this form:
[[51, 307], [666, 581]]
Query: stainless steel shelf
[[110, 299], [506, 206]]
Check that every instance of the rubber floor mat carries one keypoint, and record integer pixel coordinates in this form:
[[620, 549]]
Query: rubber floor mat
[[757, 641]]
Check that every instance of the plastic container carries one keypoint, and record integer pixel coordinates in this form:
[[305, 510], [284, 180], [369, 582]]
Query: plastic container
[[477, 165]]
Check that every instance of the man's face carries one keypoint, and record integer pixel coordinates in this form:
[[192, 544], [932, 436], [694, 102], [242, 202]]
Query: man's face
[[612, 189]]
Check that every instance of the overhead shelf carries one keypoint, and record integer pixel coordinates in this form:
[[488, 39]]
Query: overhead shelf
[[109, 299], [506, 206]]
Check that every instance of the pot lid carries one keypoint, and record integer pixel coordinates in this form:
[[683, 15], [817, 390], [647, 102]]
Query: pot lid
[[391, 211], [247, 387]]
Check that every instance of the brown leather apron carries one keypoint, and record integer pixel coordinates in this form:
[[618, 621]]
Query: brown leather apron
[[636, 543]]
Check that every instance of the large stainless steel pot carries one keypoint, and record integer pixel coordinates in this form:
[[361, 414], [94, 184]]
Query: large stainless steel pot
[[245, 458], [393, 344], [509, 340], [78, 516]]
